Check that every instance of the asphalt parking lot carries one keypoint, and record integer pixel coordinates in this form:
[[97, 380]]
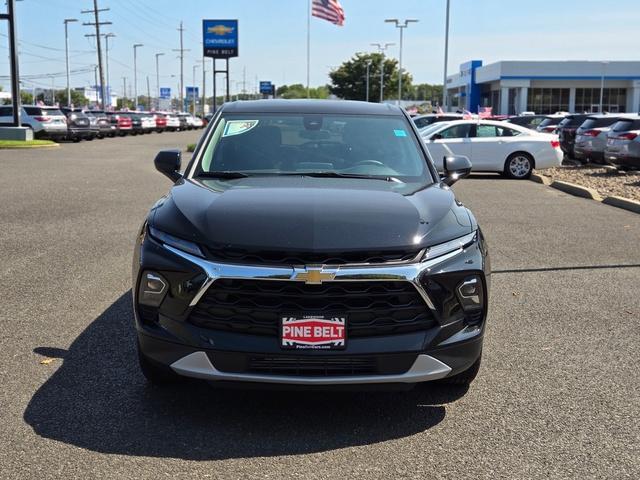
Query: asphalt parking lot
[[557, 395]]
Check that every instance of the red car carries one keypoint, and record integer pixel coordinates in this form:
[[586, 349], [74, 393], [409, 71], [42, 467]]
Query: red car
[[161, 122], [122, 122]]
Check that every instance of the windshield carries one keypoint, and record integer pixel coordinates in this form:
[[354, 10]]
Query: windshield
[[550, 121], [426, 131], [338, 145]]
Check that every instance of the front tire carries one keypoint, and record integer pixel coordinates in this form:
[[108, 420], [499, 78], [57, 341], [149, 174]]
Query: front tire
[[154, 373], [519, 166]]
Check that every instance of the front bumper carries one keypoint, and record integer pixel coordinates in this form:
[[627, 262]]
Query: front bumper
[[449, 346]]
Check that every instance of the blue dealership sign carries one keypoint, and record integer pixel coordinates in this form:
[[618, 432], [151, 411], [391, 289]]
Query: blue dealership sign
[[220, 38], [165, 93], [266, 87], [192, 92]]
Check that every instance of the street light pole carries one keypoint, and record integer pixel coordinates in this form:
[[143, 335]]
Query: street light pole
[[368, 68], [604, 66], [401, 27], [158, 55], [106, 40], [135, 75], [67, 21], [381, 48], [446, 60]]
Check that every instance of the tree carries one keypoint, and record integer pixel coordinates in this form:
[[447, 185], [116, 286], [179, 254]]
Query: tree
[[77, 98], [349, 80], [427, 92], [297, 90], [26, 98]]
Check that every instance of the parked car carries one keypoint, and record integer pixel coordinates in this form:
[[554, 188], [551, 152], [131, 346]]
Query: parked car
[[122, 122], [100, 123], [46, 122], [196, 121], [528, 121], [207, 118], [550, 123], [422, 121], [623, 143], [591, 137], [173, 122], [78, 125], [147, 122], [184, 123], [233, 283], [494, 146], [161, 122], [566, 131]]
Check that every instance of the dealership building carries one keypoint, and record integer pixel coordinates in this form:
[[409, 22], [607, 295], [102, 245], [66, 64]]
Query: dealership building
[[512, 87]]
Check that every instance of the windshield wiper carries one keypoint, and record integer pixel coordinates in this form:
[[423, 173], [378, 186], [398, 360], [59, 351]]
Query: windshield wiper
[[343, 175], [222, 174]]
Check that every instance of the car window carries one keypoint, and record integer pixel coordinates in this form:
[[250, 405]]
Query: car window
[[483, 131], [372, 145], [423, 122], [33, 110], [6, 111], [507, 132], [457, 131]]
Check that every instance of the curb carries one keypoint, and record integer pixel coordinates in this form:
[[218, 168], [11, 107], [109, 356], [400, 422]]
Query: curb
[[536, 177], [28, 147], [577, 190], [621, 202]]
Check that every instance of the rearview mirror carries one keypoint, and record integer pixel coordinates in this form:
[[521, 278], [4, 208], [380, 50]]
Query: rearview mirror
[[168, 162], [455, 167]]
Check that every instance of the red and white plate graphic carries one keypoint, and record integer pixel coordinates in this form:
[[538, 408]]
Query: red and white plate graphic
[[313, 332]]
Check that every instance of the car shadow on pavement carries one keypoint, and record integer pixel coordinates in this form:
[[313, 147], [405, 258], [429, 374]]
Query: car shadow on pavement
[[98, 400]]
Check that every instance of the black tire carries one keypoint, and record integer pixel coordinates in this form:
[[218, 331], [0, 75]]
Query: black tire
[[464, 378], [154, 373], [519, 166]]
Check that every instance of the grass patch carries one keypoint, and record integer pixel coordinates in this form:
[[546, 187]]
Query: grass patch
[[27, 144], [191, 147]]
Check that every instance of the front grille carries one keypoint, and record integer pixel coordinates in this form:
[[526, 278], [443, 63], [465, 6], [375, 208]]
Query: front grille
[[257, 306], [313, 366], [248, 257]]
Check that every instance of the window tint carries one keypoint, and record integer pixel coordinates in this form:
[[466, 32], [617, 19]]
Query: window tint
[[484, 131], [457, 131], [33, 110], [6, 111], [550, 121], [625, 125], [598, 122], [423, 122]]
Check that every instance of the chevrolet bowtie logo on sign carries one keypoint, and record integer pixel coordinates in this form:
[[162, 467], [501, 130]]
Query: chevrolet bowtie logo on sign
[[314, 275], [220, 29]]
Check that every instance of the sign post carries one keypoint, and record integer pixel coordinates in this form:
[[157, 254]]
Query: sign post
[[220, 40]]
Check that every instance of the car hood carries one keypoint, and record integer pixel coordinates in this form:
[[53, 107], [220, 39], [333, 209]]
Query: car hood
[[310, 214]]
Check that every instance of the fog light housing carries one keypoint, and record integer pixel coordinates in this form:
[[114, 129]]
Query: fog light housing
[[470, 293], [153, 288]]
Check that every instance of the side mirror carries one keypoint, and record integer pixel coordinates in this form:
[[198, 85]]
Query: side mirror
[[437, 136], [168, 162], [455, 167]]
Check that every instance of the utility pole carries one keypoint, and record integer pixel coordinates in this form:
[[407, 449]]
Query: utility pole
[[193, 91], [181, 50], [97, 24], [401, 27], [135, 74], [10, 16], [381, 48], [158, 55], [66, 55]]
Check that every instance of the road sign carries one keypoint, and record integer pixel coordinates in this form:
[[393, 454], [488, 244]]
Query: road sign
[[192, 92], [220, 38], [165, 93], [266, 87]]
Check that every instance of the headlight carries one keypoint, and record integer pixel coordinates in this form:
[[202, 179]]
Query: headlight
[[179, 243], [450, 246]]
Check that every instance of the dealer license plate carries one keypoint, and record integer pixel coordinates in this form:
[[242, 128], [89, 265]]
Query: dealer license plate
[[313, 332]]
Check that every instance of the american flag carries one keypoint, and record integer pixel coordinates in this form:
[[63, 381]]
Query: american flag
[[484, 112], [329, 10]]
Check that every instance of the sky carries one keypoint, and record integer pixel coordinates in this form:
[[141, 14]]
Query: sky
[[272, 42]]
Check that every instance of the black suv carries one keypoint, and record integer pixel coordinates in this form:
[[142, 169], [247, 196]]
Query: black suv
[[78, 125], [567, 131], [310, 243]]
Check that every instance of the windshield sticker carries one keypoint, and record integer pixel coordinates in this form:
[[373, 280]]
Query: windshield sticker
[[237, 127], [400, 133]]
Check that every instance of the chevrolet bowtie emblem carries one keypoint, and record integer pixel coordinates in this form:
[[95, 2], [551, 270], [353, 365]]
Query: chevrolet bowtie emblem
[[313, 275]]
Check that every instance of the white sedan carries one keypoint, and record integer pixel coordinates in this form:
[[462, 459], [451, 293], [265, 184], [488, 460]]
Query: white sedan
[[493, 146]]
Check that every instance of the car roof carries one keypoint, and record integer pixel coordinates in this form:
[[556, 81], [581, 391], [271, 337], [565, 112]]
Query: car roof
[[346, 107], [429, 115]]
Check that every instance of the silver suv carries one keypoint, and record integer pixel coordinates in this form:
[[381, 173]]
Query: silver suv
[[46, 122]]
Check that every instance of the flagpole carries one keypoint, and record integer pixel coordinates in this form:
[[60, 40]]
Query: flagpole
[[308, 43]]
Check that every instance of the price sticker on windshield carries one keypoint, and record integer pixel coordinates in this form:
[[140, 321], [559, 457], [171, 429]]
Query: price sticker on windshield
[[238, 127]]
